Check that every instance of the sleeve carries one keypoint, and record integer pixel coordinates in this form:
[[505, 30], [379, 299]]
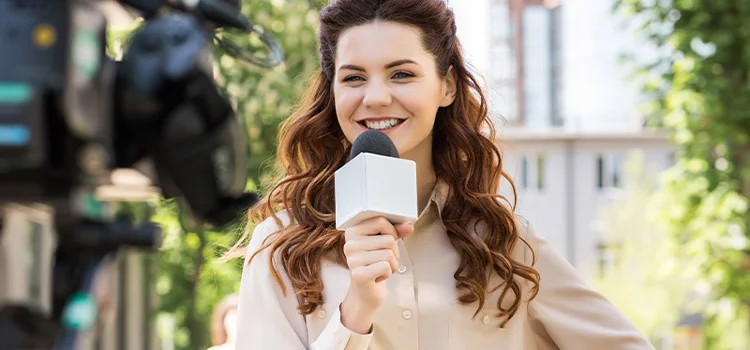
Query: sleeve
[[568, 314], [268, 319]]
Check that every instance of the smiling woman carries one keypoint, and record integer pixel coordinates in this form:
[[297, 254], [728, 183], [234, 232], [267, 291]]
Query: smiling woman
[[386, 80], [468, 274]]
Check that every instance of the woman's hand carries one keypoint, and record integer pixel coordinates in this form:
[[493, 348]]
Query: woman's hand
[[372, 254]]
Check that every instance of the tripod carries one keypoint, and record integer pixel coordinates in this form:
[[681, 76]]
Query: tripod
[[63, 290]]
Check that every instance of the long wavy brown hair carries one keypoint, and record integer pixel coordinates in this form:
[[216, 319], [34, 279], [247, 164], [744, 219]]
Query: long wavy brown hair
[[312, 147]]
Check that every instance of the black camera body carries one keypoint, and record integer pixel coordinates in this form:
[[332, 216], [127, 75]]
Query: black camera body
[[55, 99], [70, 115]]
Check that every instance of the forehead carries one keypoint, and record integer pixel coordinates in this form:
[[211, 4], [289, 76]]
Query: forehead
[[380, 42]]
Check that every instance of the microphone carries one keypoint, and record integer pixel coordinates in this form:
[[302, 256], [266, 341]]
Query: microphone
[[375, 182]]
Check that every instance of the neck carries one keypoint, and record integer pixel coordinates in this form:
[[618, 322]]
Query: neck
[[426, 177]]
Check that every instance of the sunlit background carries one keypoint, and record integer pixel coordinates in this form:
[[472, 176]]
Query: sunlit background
[[625, 129], [594, 136]]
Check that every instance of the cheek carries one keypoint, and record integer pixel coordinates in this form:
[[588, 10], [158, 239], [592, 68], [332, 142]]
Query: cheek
[[346, 104], [417, 102]]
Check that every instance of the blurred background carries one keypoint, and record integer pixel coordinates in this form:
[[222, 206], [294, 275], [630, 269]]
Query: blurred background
[[625, 127]]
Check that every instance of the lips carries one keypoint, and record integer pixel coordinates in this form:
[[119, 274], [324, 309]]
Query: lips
[[380, 123]]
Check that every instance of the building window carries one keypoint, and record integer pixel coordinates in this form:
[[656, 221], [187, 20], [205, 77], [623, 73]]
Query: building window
[[600, 171], [671, 158], [608, 171], [540, 172], [533, 172], [556, 67], [524, 172], [616, 171], [503, 101]]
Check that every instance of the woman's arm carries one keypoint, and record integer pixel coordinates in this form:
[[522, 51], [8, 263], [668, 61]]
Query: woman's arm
[[268, 319], [568, 314]]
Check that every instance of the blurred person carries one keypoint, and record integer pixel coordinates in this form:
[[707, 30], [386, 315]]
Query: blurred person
[[468, 274], [224, 324]]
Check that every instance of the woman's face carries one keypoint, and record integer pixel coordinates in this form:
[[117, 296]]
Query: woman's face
[[386, 80]]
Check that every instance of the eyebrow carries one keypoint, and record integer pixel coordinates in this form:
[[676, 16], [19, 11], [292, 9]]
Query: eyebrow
[[387, 66]]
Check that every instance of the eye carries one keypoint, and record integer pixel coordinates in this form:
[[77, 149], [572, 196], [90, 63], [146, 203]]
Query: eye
[[402, 75], [353, 78]]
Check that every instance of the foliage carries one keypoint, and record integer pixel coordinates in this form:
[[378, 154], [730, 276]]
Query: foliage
[[265, 96], [701, 85], [644, 278], [190, 281]]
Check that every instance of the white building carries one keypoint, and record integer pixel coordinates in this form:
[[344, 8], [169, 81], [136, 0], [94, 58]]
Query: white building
[[568, 113], [562, 179]]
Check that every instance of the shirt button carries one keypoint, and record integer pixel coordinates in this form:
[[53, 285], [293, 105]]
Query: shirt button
[[402, 269], [486, 319], [322, 313], [406, 314]]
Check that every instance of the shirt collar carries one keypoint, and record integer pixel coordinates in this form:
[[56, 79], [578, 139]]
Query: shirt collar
[[440, 195]]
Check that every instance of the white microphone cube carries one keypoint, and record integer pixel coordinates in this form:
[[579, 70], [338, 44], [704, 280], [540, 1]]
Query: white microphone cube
[[372, 185]]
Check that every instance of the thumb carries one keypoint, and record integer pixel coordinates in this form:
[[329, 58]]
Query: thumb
[[404, 229]]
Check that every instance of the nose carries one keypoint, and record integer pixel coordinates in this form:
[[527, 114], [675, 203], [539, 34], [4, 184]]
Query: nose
[[377, 94]]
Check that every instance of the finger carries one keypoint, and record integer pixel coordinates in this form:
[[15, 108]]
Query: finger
[[404, 229], [376, 242], [371, 273], [370, 257], [379, 271], [372, 226], [370, 243], [385, 276]]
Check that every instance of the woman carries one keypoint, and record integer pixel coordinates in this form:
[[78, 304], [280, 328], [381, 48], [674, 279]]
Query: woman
[[224, 324], [468, 274]]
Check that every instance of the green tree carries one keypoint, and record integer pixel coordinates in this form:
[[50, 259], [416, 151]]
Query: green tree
[[189, 283], [701, 90], [266, 96], [190, 280]]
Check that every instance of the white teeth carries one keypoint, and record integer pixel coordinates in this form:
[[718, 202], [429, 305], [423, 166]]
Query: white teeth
[[383, 124]]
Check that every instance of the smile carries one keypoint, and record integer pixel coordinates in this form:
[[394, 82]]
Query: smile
[[381, 124]]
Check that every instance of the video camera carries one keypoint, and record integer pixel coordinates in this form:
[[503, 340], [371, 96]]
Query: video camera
[[70, 116]]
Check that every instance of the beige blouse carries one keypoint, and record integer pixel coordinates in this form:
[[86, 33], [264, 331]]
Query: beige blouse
[[421, 310]]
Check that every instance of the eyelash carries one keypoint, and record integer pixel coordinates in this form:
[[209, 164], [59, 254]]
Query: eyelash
[[405, 75]]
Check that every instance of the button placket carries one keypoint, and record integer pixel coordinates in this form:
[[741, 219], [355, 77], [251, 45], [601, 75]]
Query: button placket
[[405, 301], [405, 285]]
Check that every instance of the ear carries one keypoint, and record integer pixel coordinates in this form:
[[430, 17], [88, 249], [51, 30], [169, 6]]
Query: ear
[[449, 88]]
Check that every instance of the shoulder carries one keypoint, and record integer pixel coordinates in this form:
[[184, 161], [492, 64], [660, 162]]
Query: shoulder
[[271, 225], [265, 230], [526, 248], [522, 221]]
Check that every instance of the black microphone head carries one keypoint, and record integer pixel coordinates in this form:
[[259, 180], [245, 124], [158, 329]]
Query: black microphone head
[[375, 142]]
